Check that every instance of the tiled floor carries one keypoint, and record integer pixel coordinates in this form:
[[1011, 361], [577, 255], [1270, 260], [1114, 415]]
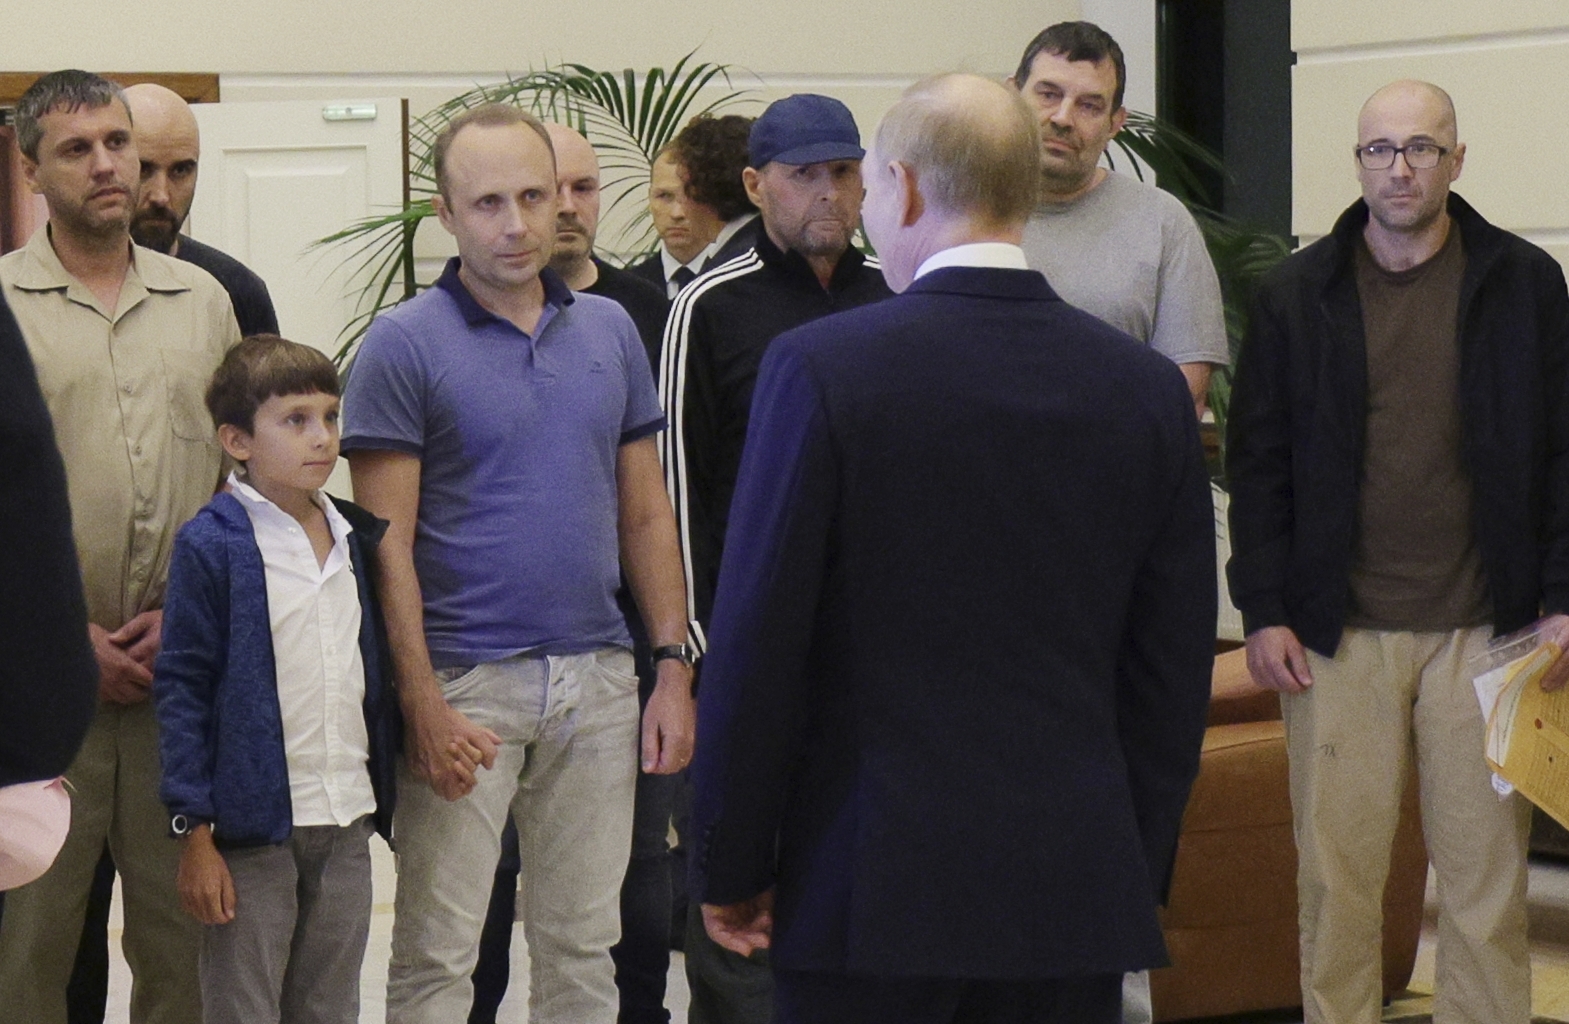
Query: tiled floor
[[1549, 956]]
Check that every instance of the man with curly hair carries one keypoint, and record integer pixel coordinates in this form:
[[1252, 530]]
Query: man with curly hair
[[715, 153], [696, 185], [686, 227]]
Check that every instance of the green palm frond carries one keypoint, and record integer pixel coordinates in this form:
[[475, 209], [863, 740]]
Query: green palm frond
[[629, 116], [1172, 154], [1242, 253]]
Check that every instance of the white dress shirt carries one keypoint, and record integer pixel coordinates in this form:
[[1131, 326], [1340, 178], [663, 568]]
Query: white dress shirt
[[671, 265], [314, 612], [996, 255]]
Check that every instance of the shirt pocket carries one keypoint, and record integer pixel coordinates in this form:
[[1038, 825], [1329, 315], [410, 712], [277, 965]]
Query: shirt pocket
[[186, 374]]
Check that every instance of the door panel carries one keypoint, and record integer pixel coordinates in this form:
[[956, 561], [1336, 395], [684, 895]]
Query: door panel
[[277, 176]]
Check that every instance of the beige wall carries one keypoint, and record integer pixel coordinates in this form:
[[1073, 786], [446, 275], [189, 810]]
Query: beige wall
[[1504, 64], [858, 38], [862, 51]]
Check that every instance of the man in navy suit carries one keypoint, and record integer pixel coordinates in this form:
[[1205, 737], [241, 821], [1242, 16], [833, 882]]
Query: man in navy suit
[[959, 661]]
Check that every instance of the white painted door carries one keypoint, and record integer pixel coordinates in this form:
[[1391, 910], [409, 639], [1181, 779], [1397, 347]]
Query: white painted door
[[275, 177]]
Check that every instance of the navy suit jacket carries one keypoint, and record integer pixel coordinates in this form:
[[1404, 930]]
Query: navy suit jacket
[[960, 655]]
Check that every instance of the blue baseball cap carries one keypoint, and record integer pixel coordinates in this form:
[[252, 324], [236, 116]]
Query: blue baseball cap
[[804, 129]]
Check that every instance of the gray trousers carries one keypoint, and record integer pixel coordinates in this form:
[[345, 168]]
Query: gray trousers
[[292, 954]]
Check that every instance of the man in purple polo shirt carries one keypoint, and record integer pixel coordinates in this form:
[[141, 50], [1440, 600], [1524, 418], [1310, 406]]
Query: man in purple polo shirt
[[504, 427]]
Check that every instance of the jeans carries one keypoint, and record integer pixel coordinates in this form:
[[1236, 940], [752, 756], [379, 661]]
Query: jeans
[[565, 772]]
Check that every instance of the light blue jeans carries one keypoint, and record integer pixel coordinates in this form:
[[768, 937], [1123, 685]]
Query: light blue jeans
[[566, 772]]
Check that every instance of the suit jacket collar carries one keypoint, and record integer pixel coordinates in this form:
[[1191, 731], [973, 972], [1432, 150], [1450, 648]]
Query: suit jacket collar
[[988, 282]]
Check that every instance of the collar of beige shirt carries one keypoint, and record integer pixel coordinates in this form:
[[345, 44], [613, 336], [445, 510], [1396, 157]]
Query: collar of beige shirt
[[42, 271]]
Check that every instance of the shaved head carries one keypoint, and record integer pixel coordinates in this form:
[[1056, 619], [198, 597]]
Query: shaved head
[[1409, 98], [1407, 206], [572, 147], [169, 146], [577, 202], [159, 111]]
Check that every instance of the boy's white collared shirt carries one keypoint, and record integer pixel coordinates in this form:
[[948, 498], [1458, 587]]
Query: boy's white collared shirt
[[314, 613]]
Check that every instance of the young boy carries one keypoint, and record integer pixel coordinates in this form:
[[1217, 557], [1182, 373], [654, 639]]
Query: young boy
[[276, 728]]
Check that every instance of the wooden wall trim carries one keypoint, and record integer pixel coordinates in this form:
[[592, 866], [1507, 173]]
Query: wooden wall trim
[[194, 88]]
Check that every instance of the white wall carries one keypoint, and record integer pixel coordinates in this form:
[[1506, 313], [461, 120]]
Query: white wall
[[1504, 64], [322, 48], [1132, 24]]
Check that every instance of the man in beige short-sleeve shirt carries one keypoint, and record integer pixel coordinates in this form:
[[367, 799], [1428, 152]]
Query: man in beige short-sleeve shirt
[[125, 341]]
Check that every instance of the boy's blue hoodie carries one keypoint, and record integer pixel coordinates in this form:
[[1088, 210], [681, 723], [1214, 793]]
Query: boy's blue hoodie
[[220, 730]]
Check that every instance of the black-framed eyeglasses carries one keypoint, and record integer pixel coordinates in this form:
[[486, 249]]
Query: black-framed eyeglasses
[[1420, 156]]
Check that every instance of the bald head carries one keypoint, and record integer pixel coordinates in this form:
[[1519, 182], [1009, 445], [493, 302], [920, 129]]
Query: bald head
[[972, 145], [577, 201], [168, 144], [1409, 102], [159, 111], [1407, 122], [957, 160]]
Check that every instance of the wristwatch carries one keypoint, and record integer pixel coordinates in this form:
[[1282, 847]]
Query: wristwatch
[[182, 825], [680, 652]]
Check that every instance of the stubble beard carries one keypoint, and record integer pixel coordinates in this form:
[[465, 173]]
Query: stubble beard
[[1412, 221], [823, 241], [82, 223], [1064, 177]]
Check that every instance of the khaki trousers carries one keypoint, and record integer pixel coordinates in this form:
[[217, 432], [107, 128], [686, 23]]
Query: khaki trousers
[[1384, 698], [115, 798]]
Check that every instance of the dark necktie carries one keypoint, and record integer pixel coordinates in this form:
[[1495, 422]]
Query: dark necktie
[[682, 277]]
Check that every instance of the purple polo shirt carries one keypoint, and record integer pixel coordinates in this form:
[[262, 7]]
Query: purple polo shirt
[[517, 435]]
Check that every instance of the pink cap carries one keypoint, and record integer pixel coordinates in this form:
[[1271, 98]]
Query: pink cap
[[34, 819]]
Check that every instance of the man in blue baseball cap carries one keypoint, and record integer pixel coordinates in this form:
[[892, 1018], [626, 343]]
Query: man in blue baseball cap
[[804, 175]]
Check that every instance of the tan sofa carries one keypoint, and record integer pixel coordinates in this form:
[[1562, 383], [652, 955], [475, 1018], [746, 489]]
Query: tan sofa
[[1231, 921]]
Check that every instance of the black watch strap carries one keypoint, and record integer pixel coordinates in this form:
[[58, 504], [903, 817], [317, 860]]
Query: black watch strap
[[680, 652]]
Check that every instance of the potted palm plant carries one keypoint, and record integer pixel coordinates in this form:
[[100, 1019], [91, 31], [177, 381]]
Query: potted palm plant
[[628, 116]]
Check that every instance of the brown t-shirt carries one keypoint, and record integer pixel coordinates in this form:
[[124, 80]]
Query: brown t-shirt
[[1416, 565]]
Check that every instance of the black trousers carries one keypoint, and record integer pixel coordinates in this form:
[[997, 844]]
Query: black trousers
[[809, 997]]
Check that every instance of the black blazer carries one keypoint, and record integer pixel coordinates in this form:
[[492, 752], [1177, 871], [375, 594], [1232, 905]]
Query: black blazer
[[1299, 419], [960, 656], [48, 676], [651, 270]]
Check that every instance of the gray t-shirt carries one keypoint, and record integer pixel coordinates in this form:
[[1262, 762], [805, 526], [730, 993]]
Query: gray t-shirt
[[1132, 255]]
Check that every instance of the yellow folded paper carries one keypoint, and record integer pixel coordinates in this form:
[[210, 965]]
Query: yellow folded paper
[[1528, 731]]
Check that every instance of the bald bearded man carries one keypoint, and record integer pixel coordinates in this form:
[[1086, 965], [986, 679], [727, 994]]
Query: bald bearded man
[[169, 144]]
